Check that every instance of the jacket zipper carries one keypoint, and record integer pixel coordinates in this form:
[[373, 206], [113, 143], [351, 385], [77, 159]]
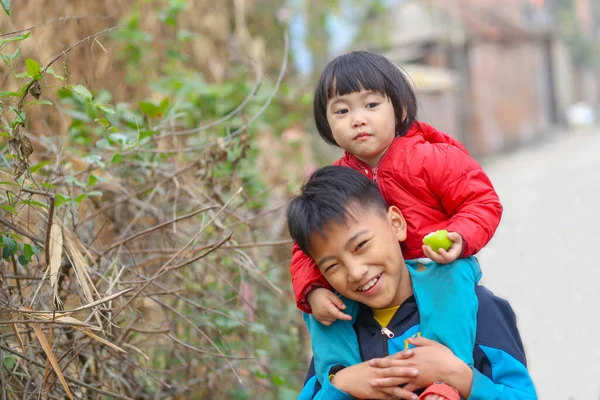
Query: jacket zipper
[[386, 335], [375, 171], [385, 331]]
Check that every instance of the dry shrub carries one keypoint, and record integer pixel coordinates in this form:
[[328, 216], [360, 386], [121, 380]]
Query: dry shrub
[[170, 284]]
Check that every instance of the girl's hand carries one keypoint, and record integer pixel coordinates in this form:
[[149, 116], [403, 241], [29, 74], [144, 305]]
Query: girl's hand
[[443, 256], [326, 306]]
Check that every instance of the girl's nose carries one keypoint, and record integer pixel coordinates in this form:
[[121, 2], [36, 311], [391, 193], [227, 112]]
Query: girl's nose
[[358, 120]]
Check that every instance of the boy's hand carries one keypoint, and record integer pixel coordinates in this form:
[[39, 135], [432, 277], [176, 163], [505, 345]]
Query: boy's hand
[[435, 362], [356, 381], [445, 257], [326, 306]]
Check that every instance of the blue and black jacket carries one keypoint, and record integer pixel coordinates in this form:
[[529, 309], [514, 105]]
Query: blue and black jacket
[[499, 368]]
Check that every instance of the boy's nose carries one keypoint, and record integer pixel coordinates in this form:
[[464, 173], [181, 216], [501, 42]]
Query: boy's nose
[[356, 271]]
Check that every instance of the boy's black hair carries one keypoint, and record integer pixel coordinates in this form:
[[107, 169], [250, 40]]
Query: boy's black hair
[[326, 197], [359, 70]]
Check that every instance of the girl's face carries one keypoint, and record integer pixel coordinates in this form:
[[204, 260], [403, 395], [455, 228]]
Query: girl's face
[[363, 123]]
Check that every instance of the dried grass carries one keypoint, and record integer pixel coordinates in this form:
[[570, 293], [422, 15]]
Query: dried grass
[[151, 292]]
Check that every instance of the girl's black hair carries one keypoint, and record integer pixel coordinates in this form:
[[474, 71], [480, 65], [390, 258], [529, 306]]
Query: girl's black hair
[[360, 70]]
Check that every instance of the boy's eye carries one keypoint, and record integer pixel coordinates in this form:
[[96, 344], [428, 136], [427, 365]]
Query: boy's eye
[[329, 268], [372, 105], [361, 245]]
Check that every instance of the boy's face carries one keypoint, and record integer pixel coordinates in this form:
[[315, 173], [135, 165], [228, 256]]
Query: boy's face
[[362, 123], [362, 259]]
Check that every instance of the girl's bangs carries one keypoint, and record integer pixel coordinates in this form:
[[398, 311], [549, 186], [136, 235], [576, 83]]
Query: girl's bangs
[[350, 77]]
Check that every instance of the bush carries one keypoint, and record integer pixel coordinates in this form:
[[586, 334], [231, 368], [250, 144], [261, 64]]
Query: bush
[[139, 255]]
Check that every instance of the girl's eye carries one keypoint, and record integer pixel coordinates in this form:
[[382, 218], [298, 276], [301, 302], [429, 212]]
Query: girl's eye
[[372, 105], [341, 111], [328, 269], [361, 245]]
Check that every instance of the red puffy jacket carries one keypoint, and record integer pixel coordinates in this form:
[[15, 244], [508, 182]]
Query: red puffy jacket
[[436, 184]]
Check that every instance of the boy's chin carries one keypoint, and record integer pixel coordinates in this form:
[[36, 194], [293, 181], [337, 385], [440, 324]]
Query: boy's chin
[[376, 302]]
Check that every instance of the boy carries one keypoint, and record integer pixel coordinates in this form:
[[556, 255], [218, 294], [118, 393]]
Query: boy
[[341, 220]]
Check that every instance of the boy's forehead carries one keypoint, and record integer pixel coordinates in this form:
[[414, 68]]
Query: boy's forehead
[[357, 214]]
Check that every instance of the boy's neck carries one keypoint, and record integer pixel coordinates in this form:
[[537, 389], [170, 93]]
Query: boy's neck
[[405, 291]]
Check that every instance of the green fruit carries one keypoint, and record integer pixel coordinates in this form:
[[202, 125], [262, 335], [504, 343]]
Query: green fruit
[[438, 240]]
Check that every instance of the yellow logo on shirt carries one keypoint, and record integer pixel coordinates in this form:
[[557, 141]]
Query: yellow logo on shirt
[[406, 344]]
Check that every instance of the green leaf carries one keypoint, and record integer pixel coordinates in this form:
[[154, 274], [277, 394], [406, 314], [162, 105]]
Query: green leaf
[[14, 38], [40, 102], [278, 380], [10, 209], [9, 361], [22, 260], [83, 92], [8, 183], [47, 185], [164, 105], [118, 138], [94, 159], [62, 199], [9, 247], [6, 93], [14, 55], [74, 181], [145, 134], [19, 119], [29, 251], [80, 198], [117, 159], [103, 121], [92, 179], [106, 108], [6, 6], [50, 71], [33, 203], [39, 166], [33, 68], [150, 109]]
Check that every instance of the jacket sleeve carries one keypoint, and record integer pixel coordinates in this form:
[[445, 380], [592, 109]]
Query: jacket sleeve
[[432, 135], [499, 354], [513, 383], [313, 390], [305, 273], [305, 277], [466, 194]]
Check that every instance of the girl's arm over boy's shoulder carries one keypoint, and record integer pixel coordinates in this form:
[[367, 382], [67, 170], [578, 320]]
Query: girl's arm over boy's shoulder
[[305, 273], [305, 277], [466, 194]]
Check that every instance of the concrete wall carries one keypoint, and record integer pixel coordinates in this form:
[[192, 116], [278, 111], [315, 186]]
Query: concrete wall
[[510, 94]]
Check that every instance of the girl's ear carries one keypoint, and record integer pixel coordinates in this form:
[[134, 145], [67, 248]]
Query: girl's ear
[[404, 113]]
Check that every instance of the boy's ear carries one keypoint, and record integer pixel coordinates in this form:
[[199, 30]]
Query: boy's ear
[[398, 223]]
